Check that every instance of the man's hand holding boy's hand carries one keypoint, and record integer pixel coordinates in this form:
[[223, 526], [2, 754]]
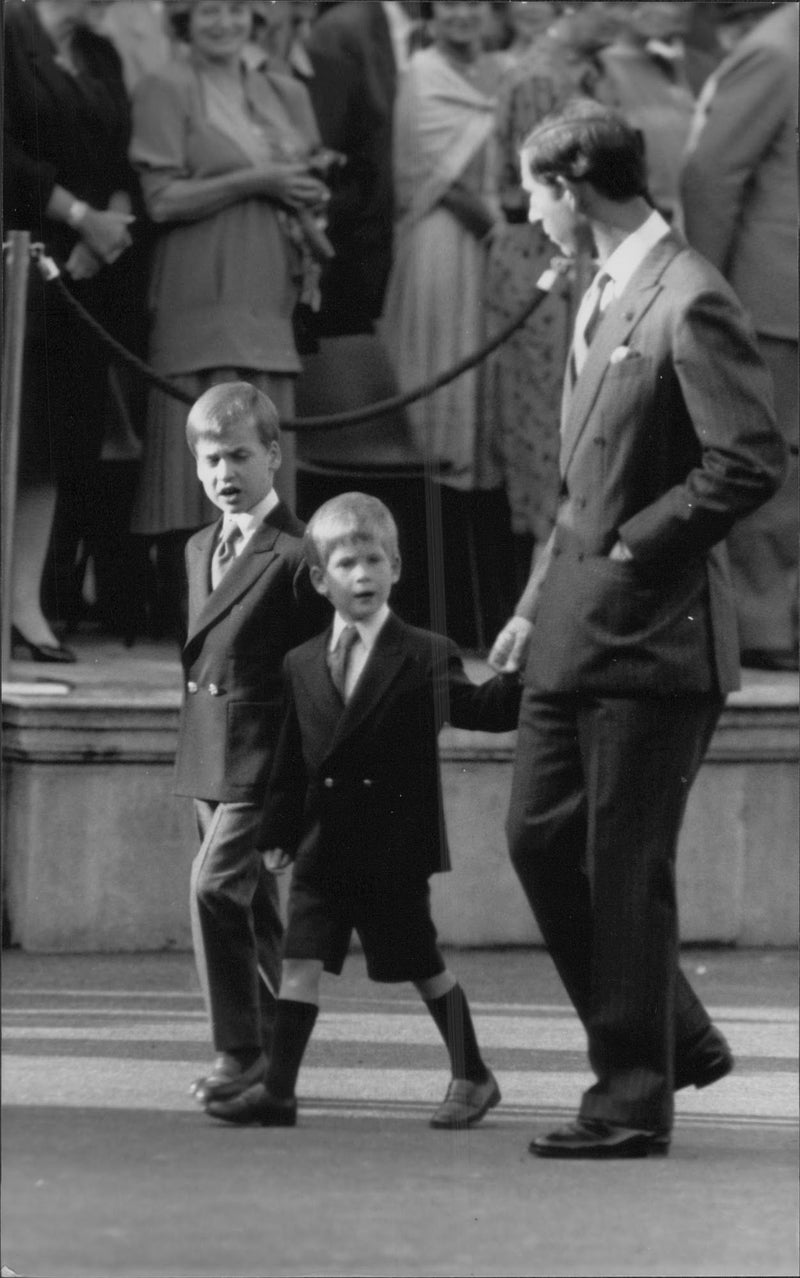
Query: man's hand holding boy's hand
[[510, 648], [276, 860]]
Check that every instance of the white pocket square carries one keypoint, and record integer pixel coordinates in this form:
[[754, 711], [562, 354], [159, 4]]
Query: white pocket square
[[621, 353]]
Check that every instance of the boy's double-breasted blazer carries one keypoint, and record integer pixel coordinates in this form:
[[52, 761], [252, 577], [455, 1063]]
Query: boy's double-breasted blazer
[[668, 437], [356, 790], [237, 638]]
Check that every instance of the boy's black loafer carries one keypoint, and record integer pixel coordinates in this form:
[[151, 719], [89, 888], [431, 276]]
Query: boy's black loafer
[[466, 1103], [227, 1078], [255, 1106], [590, 1138]]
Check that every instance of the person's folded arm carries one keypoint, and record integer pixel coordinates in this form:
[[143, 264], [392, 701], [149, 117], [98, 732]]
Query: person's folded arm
[[727, 392], [171, 193]]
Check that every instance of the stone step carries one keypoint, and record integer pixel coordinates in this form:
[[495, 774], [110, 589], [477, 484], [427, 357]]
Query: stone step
[[97, 850]]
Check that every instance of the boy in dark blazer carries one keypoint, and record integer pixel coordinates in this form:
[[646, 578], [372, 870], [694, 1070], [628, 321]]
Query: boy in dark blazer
[[355, 801], [247, 608]]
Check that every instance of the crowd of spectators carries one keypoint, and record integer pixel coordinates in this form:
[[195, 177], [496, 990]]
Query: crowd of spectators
[[324, 199]]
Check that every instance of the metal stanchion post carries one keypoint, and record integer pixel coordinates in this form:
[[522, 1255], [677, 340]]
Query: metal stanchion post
[[17, 268]]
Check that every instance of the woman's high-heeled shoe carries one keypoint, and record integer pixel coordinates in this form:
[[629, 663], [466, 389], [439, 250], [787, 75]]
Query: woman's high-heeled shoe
[[57, 653]]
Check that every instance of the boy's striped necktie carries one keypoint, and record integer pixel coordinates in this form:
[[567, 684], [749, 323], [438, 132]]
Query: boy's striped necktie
[[338, 659], [225, 554]]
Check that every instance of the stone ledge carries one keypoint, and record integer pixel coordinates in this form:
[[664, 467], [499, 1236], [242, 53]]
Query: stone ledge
[[97, 850]]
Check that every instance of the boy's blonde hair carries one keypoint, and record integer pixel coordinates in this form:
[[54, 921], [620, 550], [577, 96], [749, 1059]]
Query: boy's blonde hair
[[228, 404], [348, 517]]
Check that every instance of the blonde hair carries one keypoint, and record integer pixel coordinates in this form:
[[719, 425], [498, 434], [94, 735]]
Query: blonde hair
[[231, 404], [348, 517]]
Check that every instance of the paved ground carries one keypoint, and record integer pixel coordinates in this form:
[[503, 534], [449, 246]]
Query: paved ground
[[108, 1169]]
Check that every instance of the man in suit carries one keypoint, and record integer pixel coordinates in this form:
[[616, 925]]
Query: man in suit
[[628, 625], [740, 202], [247, 608]]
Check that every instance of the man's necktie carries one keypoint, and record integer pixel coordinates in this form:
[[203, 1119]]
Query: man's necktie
[[339, 658], [585, 331], [224, 554]]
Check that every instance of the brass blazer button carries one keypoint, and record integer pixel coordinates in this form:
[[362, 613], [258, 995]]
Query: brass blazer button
[[213, 690], [367, 781], [191, 686], [328, 783]]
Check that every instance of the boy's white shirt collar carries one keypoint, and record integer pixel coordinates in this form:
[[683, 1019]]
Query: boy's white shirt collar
[[368, 630], [630, 254], [249, 520]]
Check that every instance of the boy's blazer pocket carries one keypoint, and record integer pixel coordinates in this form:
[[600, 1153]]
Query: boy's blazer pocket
[[252, 731]]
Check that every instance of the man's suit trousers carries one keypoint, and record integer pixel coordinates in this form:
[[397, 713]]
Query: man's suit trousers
[[600, 786], [236, 926]]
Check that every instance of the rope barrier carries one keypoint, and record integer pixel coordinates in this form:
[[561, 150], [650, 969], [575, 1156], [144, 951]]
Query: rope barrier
[[51, 273]]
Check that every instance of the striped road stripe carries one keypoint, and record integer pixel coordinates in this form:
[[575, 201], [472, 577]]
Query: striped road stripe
[[140, 1049]]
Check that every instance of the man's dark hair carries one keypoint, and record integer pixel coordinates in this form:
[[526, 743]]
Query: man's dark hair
[[587, 142]]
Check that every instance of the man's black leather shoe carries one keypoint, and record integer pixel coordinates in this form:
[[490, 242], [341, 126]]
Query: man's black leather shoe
[[227, 1078], [253, 1106], [710, 1061], [591, 1138]]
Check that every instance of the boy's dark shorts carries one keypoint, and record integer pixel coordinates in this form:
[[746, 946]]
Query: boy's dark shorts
[[397, 933]]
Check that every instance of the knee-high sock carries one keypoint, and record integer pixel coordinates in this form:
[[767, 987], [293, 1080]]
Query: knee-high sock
[[294, 1023], [453, 1020]]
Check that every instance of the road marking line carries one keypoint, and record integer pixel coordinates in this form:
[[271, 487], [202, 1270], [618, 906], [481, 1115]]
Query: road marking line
[[141, 1084], [547, 1033], [730, 1013]]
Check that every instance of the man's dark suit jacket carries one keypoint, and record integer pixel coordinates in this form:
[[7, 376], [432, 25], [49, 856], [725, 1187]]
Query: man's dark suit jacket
[[355, 790], [237, 639], [667, 438], [353, 91]]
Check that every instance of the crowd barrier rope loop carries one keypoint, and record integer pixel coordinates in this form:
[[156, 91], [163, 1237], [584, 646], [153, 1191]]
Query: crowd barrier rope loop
[[51, 272]]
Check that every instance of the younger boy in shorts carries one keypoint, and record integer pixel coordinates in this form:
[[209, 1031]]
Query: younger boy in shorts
[[250, 601], [355, 801]]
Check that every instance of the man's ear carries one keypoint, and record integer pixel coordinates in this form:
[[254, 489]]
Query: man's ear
[[318, 580], [275, 454], [397, 567]]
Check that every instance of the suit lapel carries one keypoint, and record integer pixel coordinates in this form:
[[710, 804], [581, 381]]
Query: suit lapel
[[385, 661], [256, 557], [617, 323], [326, 704], [198, 568]]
